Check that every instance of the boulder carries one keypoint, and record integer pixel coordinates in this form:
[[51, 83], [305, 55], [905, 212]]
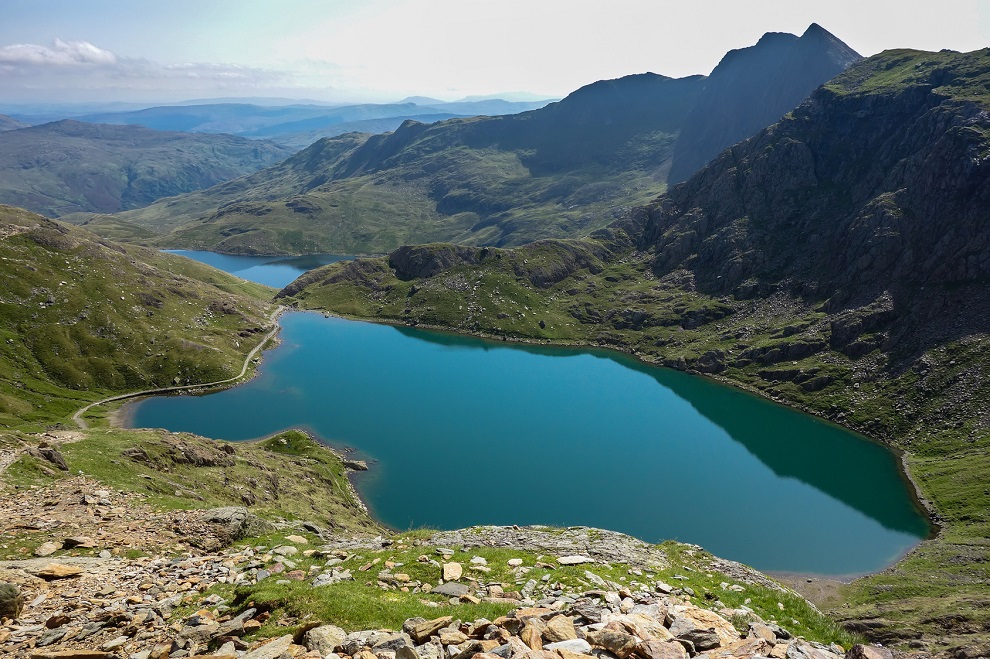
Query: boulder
[[420, 630], [53, 456], [452, 571], [79, 542], [660, 650], [391, 643], [800, 649], [451, 589], [691, 619], [859, 651], [559, 628], [11, 600], [272, 649], [577, 645], [619, 644], [574, 560], [54, 571], [46, 549], [237, 521]]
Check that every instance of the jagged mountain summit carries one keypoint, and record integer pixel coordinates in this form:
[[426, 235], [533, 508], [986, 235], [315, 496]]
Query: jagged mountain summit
[[753, 87], [561, 171]]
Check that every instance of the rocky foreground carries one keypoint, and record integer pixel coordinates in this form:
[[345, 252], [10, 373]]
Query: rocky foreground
[[106, 604]]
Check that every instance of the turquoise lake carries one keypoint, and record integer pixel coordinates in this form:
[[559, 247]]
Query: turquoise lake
[[462, 431]]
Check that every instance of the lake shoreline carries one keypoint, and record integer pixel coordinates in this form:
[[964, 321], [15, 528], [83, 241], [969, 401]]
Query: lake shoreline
[[921, 502], [124, 418]]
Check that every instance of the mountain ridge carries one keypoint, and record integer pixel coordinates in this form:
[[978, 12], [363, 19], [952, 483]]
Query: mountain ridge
[[780, 67], [563, 170]]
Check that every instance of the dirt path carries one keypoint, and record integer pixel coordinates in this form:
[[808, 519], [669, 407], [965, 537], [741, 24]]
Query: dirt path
[[77, 417]]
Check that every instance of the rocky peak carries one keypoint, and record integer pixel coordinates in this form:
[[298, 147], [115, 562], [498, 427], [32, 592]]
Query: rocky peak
[[753, 87]]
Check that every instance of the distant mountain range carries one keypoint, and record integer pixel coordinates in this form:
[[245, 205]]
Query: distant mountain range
[[298, 126], [562, 170], [72, 167]]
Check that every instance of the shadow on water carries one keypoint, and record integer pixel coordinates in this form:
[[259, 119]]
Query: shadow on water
[[818, 457]]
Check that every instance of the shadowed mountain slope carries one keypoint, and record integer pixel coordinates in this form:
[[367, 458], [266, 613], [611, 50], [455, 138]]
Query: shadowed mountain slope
[[753, 87]]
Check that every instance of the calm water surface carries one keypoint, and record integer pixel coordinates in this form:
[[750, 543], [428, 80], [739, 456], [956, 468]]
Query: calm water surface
[[275, 271], [464, 431]]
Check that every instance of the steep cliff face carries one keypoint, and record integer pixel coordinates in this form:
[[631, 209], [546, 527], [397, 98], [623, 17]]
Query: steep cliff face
[[877, 186], [752, 88]]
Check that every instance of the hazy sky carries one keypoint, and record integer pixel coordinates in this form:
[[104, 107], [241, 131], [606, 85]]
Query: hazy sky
[[336, 50]]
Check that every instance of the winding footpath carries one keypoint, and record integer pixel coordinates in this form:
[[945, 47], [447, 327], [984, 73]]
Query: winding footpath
[[77, 417]]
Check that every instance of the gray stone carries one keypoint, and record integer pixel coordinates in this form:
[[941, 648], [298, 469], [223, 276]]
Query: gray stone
[[238, 521], [578, 645], [115, 643], [54, 457], [574, 560], [595, 580], [588, 609], [328, 578], [451, 589], [800, 649], [272, 650], [701, 639], [391, 643], [52, 636], [429, 651], [89, 629], [46, 549], [324, 639], [356, 641], [868, 652]]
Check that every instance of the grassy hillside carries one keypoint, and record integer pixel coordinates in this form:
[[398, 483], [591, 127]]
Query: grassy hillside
[[82, 318], [72, 167], [835, 262]]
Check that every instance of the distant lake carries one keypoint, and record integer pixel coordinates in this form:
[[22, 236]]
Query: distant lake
[[275, 271], [462, 431]]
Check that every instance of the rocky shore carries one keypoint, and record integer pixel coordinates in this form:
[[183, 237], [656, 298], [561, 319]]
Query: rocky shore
[[139, 590]]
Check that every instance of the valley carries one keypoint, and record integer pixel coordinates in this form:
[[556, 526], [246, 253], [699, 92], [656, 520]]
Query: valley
[[799, 239]]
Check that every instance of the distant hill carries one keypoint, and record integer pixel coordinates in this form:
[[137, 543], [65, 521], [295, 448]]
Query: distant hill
[[559, 170], [291, 125], [71, 166], [562, 170], [9, 123]]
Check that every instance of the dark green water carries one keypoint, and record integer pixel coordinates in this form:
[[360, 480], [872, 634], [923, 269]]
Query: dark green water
[[275, 271], [463, 432]]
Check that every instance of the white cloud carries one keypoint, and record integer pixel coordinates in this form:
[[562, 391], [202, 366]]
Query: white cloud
[[61, 53], [82, 69]]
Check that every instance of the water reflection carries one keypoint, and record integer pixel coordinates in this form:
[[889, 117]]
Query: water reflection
[[471, 432]]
